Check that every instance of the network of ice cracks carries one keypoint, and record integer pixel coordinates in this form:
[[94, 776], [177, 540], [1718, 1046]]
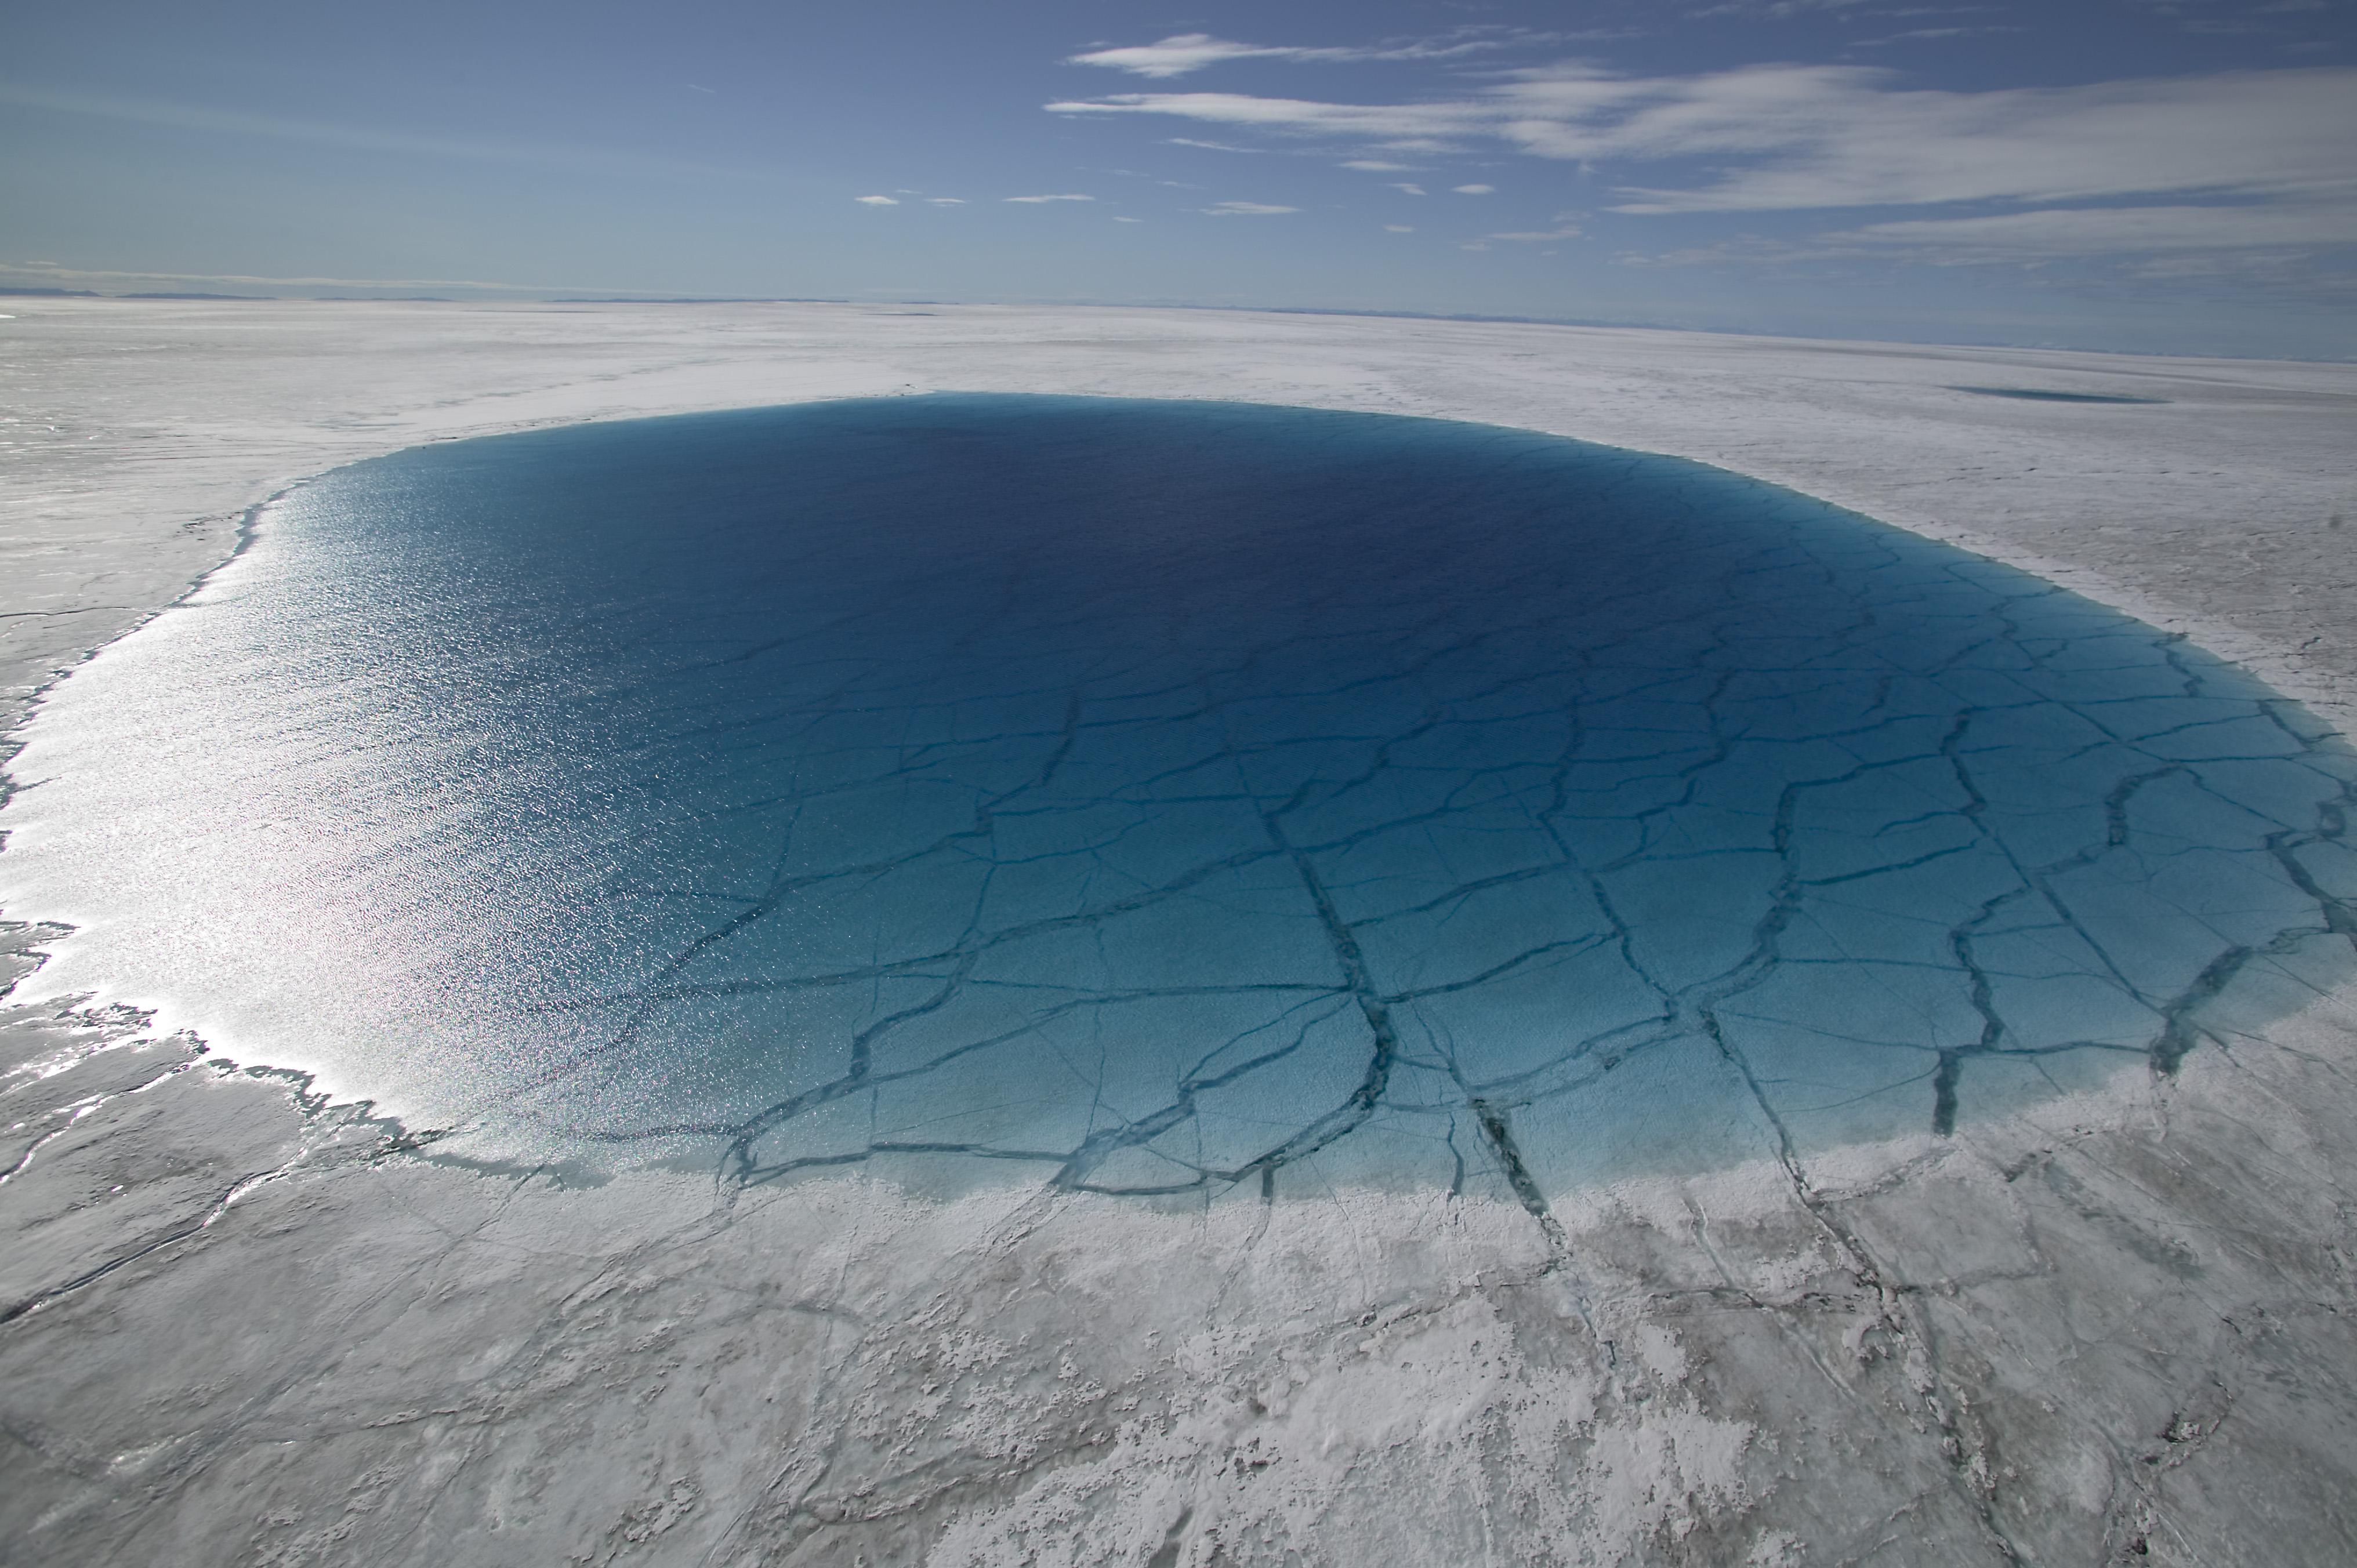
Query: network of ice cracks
[[1160, 798]]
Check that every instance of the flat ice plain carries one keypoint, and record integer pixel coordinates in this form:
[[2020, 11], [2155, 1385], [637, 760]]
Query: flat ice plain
[[243, 1323]]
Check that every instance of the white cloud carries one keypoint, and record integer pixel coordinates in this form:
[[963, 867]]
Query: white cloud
[[1376, 166], [1035, 199], [1411, 188], [945, 200], [1121, 219], [1184, 52], [877, 200], [1474, 190], [1213, 146], [1246, 209], [1399, 228], [1794, 137], [1174, 56]]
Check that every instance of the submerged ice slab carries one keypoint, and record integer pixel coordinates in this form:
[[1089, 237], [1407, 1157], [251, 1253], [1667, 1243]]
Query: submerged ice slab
[[2045, 394], [1158, 797]]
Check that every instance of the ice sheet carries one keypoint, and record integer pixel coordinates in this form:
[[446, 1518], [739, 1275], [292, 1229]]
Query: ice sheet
[[242, 1327]]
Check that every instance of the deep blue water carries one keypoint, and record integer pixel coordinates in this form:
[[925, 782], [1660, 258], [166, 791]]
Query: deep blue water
[[1165, 796]]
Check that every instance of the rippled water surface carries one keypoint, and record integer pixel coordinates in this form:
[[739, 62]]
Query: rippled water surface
[[1161, 796]]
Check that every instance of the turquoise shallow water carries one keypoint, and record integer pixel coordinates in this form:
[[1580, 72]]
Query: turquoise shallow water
[[1163, 797]]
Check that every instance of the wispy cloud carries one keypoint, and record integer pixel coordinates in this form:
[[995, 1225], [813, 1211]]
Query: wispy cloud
[[1246, 209], [2173, 249], [1779, 10], [877, 200], [1565, 229], [2242, 134], [945, 200], [1185, 52], [1408, 187], [55, 274], [1928, 35], [352, 138], [1376, 166], [2098, 230], [2229, 18], [1212, 146], [1297, 116], [1399, 228], [1035, 200], [1474, 189]]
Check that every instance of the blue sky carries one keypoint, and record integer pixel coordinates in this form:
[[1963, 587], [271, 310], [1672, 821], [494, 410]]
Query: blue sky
[[2155, 174]]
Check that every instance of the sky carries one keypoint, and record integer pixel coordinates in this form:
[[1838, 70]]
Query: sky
[[2150, 175]]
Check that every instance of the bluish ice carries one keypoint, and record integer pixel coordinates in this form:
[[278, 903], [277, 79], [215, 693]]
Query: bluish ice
[[1163, 798]]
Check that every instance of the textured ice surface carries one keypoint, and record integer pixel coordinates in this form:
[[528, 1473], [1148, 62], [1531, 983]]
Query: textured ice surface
[[1151, 796]]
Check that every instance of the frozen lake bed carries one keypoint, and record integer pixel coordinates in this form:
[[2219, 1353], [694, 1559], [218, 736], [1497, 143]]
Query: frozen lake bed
[[2107, 1316]]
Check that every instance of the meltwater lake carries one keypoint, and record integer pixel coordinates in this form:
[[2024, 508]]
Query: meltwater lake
[[1161, 798]]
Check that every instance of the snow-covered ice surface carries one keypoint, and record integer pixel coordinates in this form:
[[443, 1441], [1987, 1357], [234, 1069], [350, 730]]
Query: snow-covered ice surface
[[2115, 1325]]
